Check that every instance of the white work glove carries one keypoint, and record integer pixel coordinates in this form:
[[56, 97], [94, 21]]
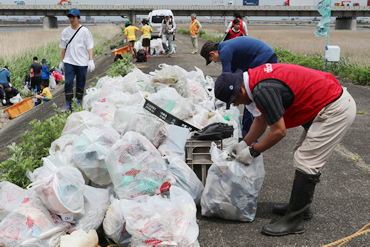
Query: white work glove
[[245, 157], [91, 65], [4, 101], [61, 65], [237, 148]]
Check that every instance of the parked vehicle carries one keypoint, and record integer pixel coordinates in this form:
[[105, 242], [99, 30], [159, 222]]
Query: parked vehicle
[[156, 17]]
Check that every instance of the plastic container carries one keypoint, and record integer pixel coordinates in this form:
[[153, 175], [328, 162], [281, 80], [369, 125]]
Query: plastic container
[[198, 156], [122, 51], [19, 108], [332, 53]]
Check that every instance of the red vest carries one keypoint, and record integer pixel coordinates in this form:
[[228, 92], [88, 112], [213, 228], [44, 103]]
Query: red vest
[[241, 26], [234, 35], [312, 89]]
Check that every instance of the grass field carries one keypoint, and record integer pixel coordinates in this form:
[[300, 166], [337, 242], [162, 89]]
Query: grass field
[[354, 44]]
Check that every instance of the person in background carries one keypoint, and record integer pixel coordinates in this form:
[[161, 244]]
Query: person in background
[[234, 31], [168, 27], [45, 74], [45, 95], [243, 25], [77, 45], [195, 28], [130, 36], [36, 70], [284, 96], [10, 92], [146, 30], [58, 70], [57, 76], [242, 53], [27, 81], [5, 76]]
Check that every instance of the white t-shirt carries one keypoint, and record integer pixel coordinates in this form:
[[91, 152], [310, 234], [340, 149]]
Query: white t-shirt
[[252, 108], [76, 53]]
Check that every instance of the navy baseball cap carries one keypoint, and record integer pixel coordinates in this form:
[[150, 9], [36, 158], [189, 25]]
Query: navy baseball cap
[[228, 85], [74, 12]]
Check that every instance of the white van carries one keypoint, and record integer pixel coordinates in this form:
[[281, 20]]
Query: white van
[[156, 17]]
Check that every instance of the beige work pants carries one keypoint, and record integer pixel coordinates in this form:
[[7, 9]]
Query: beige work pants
[[194, 41], [314, 147]]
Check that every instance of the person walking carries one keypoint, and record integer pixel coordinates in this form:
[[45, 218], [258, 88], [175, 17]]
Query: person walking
[[146, 30], [5, 76], [35, 70], [130, 36], [243, 25], [242, 53], [77, 46], [195, 28], [284, 96], [168, 27]]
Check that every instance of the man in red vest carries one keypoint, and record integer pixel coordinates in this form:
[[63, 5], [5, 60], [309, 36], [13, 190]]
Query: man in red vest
[[284, 96]]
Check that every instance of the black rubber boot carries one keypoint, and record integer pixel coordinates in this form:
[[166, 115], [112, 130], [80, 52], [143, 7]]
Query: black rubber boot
[[300, 199], [281, 210], [69, 97]]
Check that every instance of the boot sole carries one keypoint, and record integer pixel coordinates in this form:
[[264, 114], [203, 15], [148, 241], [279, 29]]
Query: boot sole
[[281, 233]]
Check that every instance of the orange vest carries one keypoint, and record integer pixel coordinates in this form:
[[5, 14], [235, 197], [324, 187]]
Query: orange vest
[[193, 27]]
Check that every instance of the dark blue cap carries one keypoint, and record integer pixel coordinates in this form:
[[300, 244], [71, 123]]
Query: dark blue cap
[[228, 85], [74, 12]]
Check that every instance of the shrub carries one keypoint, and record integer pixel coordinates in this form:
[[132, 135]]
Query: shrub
[[121, 67], [114, 46]]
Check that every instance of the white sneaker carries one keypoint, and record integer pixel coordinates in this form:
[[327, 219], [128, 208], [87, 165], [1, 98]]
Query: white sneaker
[[193, 52]]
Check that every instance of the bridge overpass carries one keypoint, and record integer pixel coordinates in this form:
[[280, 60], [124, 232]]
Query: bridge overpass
[[346, 14]]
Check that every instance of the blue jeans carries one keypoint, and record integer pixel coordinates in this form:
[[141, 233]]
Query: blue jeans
[[247, 116], [70, 72]]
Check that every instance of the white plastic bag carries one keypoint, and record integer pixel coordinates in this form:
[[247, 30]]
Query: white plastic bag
[[114, 224], [80, 238], [169, 100], [52, 83], [92, 95], [232, 188], [60, 144], [25, 89], [186, 179], [124, 114], [135, 81], [136, 167], [174, 145], [149, 126], [16, 99], [104, 110], [91, 149], [158, 221], [78, 121], [60, 189], [96, 203]]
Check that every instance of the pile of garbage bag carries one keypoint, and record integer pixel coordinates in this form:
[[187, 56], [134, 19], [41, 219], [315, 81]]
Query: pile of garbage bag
[[122, 168]]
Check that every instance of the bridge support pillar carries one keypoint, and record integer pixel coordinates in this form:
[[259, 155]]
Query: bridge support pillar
[[50, 22], [345, 23], [132, 17]]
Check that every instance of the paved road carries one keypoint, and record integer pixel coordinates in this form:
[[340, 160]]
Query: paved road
[[342, 199]]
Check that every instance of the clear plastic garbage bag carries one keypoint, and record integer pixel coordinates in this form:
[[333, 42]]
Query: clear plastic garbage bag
[[96, 203], [174, 145], [169, 100], [16, 99], [159, 221], [92, 95], [52, 83], [104, 110], [114, 224], [60, 144], [124, 114], [169, 76], [186, 179], [78, 121], [197, 92], [149, 126], [91, 149], [121, 100], [135, 81], [232, 188], [25, 221], [136, 167], [61, 189]]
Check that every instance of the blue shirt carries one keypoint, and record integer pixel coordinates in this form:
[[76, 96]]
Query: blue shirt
[[4, 77], [243, 53]]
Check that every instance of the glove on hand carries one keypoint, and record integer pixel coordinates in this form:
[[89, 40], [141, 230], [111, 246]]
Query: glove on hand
[[61, 65], [245, 157], [237, 148], [91, 65]]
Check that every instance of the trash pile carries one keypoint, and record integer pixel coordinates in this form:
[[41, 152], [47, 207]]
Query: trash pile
[[119, 166]]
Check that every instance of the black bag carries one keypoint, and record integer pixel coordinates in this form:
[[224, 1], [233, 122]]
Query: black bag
[[117, 57], [141, 56]]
